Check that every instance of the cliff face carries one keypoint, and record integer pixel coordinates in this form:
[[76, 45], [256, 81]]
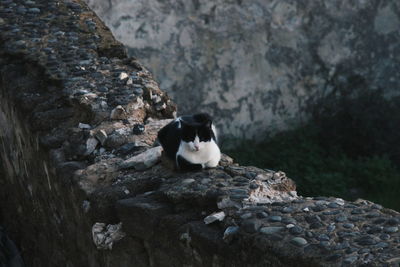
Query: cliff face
[[259, 65], [82, 183]]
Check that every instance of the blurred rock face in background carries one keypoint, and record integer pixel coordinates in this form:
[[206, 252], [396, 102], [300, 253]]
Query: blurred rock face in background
[[258, 66]]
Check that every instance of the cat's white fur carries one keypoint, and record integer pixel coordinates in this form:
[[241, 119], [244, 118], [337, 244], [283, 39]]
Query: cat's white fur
[[207, 153]]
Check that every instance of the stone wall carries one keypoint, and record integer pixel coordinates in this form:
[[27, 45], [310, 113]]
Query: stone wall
[[82, 184], [258, 66]]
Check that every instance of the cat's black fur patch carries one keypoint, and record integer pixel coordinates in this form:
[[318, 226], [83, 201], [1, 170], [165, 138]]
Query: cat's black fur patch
[[185, 165]]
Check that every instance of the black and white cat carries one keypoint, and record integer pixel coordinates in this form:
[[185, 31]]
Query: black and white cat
[[191, 142]]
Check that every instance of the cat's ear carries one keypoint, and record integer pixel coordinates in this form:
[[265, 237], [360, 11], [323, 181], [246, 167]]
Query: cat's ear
[[208, 124], [183, 123]]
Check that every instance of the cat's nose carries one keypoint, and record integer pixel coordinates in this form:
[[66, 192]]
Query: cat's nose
[[197, 148]]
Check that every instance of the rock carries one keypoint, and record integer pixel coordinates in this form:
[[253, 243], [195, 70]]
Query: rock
[[91, 144], [188, 181], [341, 218], [118, 113], [299, 241], [350, 260], [274, 218], [225, 160], [348, 225], [393, 221], [144, 160], [390, 230], [84, 126], [271, 230], [104, 236], [123, 76], [323, 237], [216, 216], [296, 230], [101, 135], [230, 232]]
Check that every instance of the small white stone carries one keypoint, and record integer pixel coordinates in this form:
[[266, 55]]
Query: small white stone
[[339, 201], [290, 225], [84, 126], [217, 216], [188, 181], [123, 76], [126, 191], [306, 209]]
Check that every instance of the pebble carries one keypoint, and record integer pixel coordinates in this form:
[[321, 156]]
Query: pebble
[[84, 126], [230, 232], [348, 225], [390, 230], [323, 237], [384, 236], [296, 230], [289, 220], [123, 76], [341, 219], [379, 221], [333, 205], [342, 245], [357, 211], [382, 245], [247, 215], [350, 260], [287, 210], [372, 215], [274, 218], [331, 212], [393, 222], [188, 181], [351, 250], [365, 241], [217, 216], [299, 241], [34, 10], [331, 227], [271, 230], [262, 215]]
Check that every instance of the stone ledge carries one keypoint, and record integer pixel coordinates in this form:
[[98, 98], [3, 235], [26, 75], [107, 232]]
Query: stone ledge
[[74, 110]]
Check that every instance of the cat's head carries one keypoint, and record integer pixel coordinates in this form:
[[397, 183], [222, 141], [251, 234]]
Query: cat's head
[[197, 134]]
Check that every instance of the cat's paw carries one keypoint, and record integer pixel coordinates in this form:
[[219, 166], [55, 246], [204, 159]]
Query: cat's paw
[[212, 163]]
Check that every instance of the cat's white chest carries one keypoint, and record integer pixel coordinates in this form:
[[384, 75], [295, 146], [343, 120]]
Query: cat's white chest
[[208, 156]]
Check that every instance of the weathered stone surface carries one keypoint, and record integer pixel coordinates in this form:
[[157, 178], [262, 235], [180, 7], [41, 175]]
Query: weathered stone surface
[[144, 160], [104, 235], [259, 65], [60, 66]]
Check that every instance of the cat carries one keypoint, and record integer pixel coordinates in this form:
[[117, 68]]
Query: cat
[[191, 142]]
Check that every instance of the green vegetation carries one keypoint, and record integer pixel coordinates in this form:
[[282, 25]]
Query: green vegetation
[[350, 149], [319, 172]]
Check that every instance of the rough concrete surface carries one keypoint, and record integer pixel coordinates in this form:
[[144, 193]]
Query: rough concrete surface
[[67, 199]]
